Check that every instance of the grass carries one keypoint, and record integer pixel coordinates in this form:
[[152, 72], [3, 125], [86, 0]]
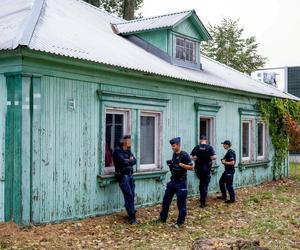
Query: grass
[[258, 198], [269, 213], [295, 171]]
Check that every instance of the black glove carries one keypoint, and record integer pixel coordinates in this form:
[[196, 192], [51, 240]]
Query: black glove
[[170, 164]]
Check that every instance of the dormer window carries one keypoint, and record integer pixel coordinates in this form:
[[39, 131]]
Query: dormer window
[[185, 49], [174, 38]]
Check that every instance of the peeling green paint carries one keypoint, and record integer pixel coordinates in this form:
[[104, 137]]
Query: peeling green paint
[[65, 145], [3, 98]]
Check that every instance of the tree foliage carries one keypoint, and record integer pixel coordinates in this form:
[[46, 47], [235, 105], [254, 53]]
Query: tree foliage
[[229, 47], [283, 118], [123, 8]]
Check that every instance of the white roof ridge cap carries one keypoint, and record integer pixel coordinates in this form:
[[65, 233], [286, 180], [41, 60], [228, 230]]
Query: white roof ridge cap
[[152, 17], [27, 29]]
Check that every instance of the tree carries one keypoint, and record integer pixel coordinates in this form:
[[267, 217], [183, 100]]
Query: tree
[[230, 48], [128, 9], [123, 8]]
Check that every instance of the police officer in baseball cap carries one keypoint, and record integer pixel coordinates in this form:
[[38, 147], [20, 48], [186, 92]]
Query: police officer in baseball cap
[[203, 155], [179, 165], [226, 180]]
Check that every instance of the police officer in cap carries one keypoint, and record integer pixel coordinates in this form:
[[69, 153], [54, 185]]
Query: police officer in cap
[[203, 155], [179, 165], [124, 161], [226, 180]]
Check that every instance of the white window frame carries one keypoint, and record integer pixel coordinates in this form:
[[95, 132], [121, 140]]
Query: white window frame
[[211, 128], [263, 156], [250, 138], [126, 130], [184, 49], [157, 141]]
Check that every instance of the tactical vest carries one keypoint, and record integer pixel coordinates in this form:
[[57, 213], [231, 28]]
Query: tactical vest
[[229, 167], [203, 157], [178, 173]]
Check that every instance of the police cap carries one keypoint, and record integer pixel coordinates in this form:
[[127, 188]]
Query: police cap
[[175, 140], [227, 142]]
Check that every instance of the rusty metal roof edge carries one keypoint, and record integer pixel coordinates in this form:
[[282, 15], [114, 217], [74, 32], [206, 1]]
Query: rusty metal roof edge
[[27, 29]]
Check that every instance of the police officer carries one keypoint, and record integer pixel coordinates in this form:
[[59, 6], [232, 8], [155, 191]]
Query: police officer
[[124, 161], [226, 180], [203, 155], [179, 165]]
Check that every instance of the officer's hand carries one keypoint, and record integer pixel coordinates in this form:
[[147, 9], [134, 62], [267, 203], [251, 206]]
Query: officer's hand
[[169, 162], [131, 158], [193, 158], [223, 161], [181, 164]]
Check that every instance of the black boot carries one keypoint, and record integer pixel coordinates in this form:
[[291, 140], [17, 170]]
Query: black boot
[[202, 205], [229, 201], [133, 220], [222, 197]]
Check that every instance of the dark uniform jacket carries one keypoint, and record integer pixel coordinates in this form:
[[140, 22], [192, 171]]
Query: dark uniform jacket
[[203, 152], [230, 156], [122, 162], [179, 173]]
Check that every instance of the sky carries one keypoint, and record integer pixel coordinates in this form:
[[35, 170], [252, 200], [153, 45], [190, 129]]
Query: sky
[[275, 23]]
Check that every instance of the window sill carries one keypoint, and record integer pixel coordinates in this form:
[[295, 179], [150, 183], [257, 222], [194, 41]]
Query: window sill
[[262, 163], [186, 64], [105, 180]]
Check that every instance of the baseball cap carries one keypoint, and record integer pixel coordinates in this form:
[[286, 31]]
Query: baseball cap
[[227, 142]]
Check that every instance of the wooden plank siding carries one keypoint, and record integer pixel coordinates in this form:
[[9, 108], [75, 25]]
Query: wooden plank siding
[[3, 99], [68, 158], [187, 28], [158, 38], [66, 144]]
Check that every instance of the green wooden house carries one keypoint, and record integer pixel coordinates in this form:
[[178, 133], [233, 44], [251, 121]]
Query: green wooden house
[[74, 79]]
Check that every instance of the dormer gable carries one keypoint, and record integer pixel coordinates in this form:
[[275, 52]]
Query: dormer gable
[[175, 37]]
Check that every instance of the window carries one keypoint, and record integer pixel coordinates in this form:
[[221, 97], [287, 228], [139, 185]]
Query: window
[[185, 49], [246, 140], [150, 140], [261, 140], [180, 48], [207, 128], [189, 51], [116, 125]]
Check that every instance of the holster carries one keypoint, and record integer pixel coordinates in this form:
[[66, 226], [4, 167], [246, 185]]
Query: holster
[[228, 177], [118, 176]]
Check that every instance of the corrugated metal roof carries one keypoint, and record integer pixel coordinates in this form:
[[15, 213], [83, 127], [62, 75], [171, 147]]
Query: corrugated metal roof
[[12, 17], [76, 29], [157, 22]]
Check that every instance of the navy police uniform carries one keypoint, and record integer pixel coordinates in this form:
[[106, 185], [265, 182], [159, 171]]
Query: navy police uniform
[[177, 185], [226, 180], [203, 165], [123, 171]]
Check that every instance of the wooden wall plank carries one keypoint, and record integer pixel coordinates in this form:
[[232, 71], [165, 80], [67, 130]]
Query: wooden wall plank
[[67, 155], [3, 103]]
